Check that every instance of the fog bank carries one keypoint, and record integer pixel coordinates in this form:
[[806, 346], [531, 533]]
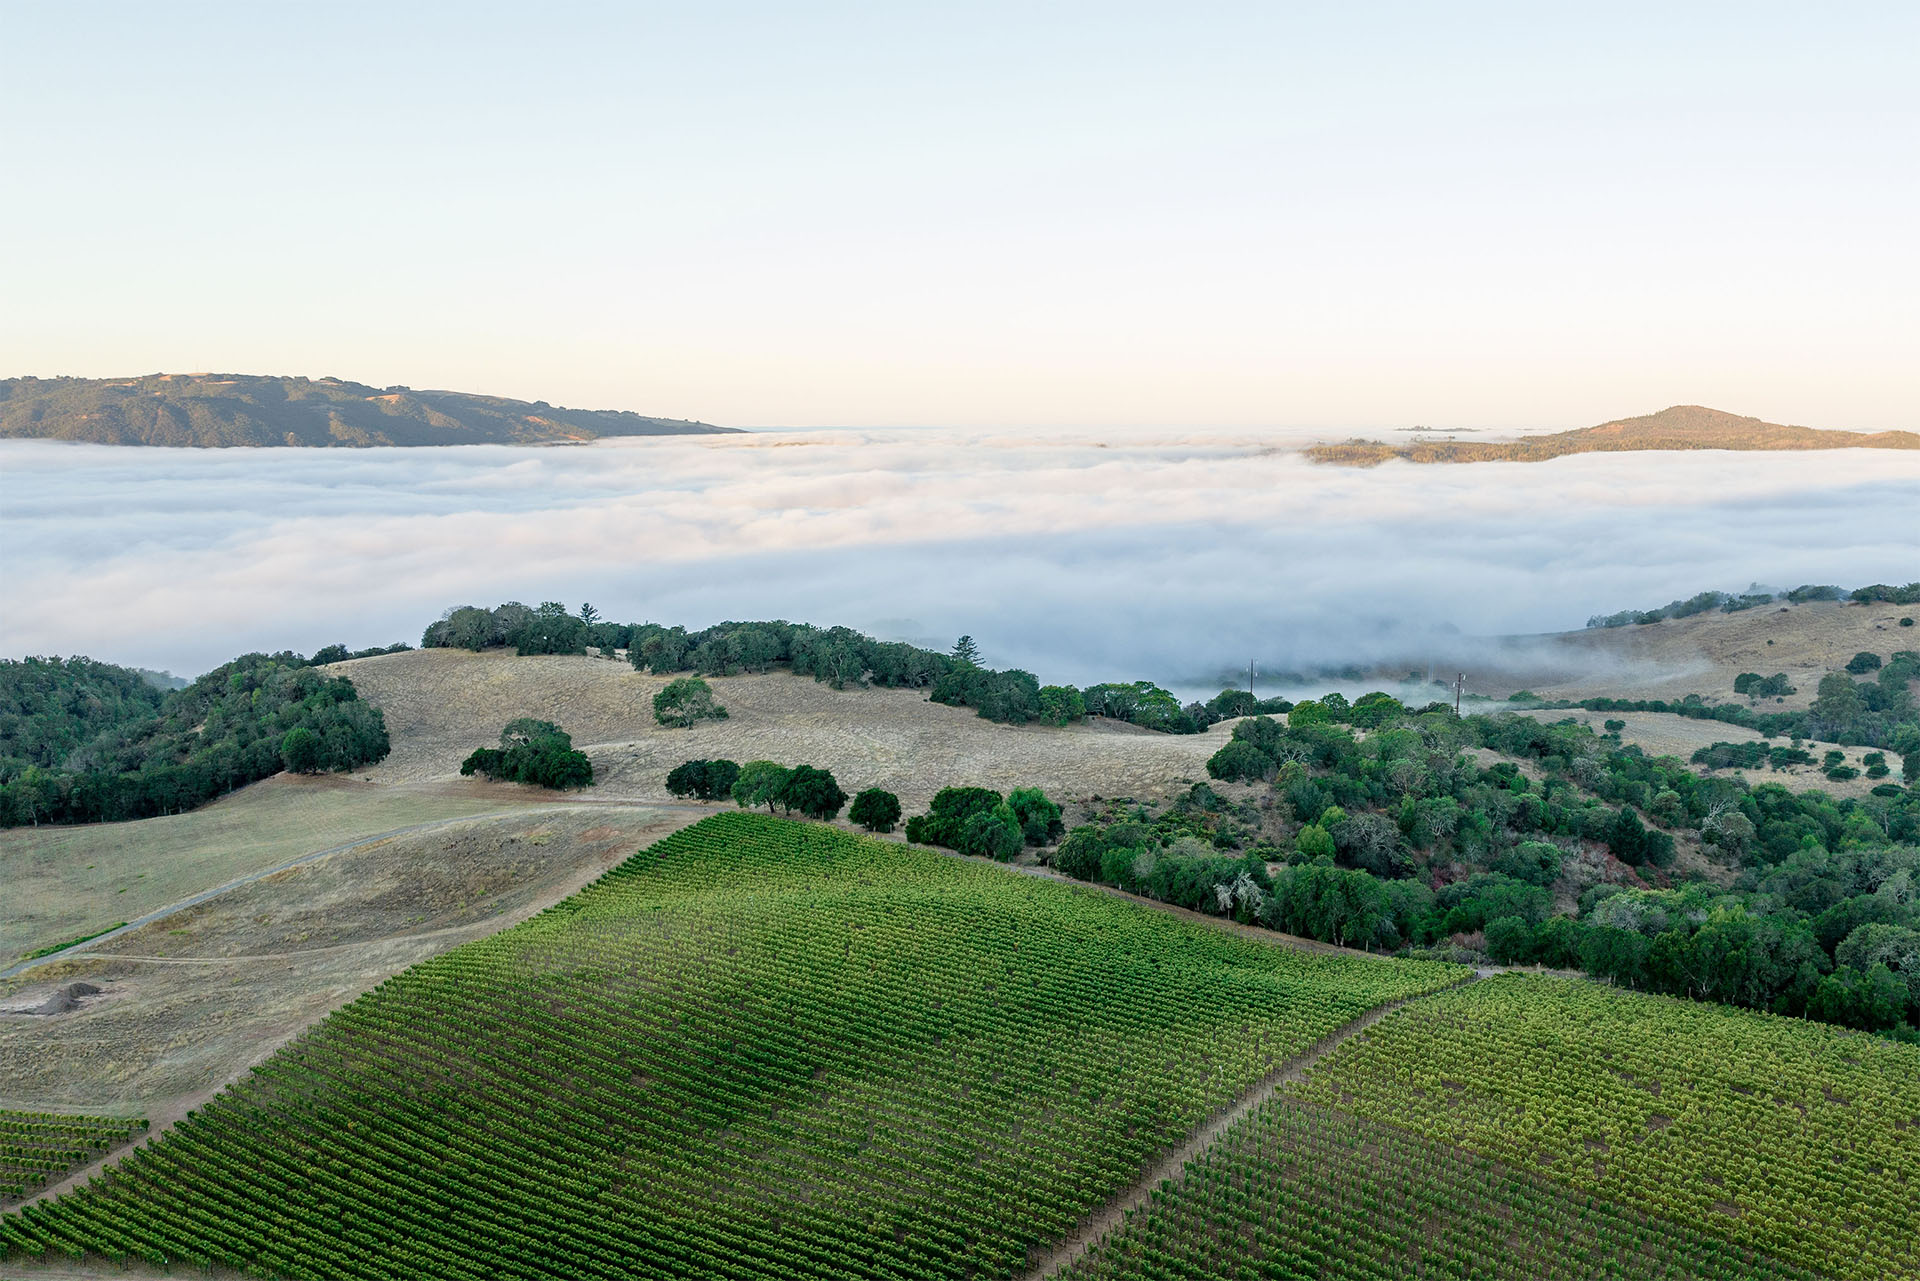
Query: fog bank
[[1081, 556]]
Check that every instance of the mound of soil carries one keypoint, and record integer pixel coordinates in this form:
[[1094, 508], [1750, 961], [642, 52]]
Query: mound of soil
[[66, 999]]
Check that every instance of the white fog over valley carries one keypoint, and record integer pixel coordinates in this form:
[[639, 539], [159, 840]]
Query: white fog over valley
[[1082, 556]]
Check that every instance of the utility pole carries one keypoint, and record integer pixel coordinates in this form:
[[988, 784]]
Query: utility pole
[[1249, 676], [1459, 687]]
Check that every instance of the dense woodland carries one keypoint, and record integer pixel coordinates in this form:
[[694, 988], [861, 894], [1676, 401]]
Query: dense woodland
[[1564, 850], [243, 721], [50, 706]]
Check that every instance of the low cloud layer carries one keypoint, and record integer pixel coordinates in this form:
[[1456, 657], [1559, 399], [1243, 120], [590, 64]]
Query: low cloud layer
[[1079, 556]]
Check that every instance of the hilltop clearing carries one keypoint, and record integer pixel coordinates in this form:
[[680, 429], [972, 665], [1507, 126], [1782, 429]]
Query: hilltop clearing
[[212, 410], [1679, 428], [442, 703]]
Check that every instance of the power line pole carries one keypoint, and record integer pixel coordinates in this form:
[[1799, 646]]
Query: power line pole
[[1459, 687], [1249, 676]]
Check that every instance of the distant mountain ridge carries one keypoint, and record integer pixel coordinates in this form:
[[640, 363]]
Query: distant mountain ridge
[[1681, 427], [225, 410]]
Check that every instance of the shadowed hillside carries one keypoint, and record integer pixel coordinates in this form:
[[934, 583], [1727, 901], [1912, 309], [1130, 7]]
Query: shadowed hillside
[[212, 410], [1681, 427]]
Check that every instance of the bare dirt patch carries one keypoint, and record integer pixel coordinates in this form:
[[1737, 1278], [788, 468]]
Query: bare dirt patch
[[441, 704]]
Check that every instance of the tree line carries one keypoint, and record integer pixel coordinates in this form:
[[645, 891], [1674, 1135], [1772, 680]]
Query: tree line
[[1734, 602], [837, 656]]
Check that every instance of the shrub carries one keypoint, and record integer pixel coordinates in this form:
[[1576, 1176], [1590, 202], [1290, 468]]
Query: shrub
[[1863, 662], [532, 751], [685, 701], [1241, 762]]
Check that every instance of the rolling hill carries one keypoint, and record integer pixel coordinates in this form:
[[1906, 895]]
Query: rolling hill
[[222, 410], [1678, 428]]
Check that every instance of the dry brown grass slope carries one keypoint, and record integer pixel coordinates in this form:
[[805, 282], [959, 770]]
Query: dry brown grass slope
[[441, 704], [1698, 655]]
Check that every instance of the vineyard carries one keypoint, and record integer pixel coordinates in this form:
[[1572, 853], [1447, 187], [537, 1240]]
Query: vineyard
[[757, 1049], [1792, 1138], [38, 1148], [1300, 1193]]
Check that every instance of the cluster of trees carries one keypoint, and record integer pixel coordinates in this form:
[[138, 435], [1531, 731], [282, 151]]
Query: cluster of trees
[[979, 820], [1754, 685], [241, 722], [532, 751], [50, 706], [549, 628], [796, 789], [802, 789], [1732, 602], [1880, 712]]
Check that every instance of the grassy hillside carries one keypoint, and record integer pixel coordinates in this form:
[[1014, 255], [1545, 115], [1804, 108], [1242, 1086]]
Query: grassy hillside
[[1681, 427], [245, 409], [757, 1048]]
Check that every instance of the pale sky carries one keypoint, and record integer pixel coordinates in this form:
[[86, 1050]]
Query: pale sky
[[1335, 216]]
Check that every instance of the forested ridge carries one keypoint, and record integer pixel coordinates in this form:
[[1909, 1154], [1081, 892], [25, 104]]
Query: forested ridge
[[218, 410], [243, 721], [50, 706]]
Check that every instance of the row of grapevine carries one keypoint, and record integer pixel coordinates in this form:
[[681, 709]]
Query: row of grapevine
[[758, 1049], [37, 1148], [1792, 1138], [1300, 1193]]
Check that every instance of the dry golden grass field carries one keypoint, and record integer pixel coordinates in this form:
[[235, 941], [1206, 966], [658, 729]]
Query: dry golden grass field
[[64, 882], [189, 1001], [441, 704], [1698, 655]]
